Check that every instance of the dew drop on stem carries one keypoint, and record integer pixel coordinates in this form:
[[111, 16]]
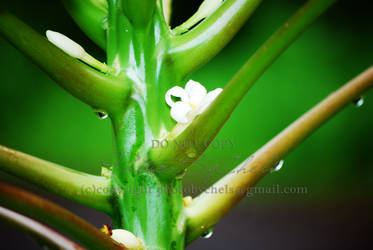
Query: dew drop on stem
[[207, 234], [101, 114], [358, 102], [278, 166]]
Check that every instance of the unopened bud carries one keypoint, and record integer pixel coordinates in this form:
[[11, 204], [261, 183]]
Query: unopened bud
[[75, 50], [128, 239], [66, 44], [187, 201]]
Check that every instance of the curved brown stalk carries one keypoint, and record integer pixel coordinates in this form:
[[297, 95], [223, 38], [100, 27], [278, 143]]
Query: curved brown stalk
[[41, 233], [51, 214]]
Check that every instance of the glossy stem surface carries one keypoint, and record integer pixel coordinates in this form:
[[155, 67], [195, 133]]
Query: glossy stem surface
[[97, 89], [91, 17], [90, 190], [197, 46], [144, 204]]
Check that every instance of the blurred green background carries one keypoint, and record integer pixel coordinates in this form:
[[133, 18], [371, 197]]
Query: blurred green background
[[39, 118]]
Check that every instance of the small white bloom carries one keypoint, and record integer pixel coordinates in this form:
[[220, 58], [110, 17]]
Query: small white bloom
[[66, 44], [128, 239], [194, 100]]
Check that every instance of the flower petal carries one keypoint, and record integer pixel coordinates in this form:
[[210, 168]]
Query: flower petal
[[177, 92], [209, 99], [196, 92], [179, 111]]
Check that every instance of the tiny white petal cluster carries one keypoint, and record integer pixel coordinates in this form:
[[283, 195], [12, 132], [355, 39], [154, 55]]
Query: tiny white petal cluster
[[128, 239], [66, 44], [194, 100]]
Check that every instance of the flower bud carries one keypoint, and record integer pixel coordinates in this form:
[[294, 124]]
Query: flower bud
[[66, 44], [75, 50], [128, 239], [187, 201]]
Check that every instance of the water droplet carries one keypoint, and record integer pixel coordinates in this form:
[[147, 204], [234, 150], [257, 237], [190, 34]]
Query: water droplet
[[359, 102], [207, 234], [101, 114], [278, 166]]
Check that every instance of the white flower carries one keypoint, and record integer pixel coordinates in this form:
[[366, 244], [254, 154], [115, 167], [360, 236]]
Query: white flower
[[128, 239], [194, 100]]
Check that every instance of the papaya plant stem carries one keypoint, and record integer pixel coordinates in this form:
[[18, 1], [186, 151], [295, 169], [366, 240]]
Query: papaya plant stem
[[209, 207], [194, 48], [205, 127], [97, 89], [51, 214], [41, 233], [90, 190]]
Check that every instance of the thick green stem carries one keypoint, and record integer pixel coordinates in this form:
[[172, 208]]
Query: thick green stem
[[206, 126], [90, 190], [91, 17], [194, 48], [53, 215], [43, 234], [209, 207], [99, 90], [150, 208], [143, 204]]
